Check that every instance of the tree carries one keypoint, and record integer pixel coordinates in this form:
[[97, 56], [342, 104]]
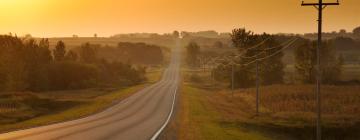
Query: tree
[[272, 68], [71, 56], [185, 34], [12, 64], [176, 34], [244, 40], [342, 31], [356, 31], [305, 58], [88, 53], [37, 59], [193, 52], [59, 51]]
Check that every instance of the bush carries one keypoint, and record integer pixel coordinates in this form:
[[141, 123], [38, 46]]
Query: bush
[[72, 75]]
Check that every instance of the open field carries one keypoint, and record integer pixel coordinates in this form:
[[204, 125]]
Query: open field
[[72, 42], [25, 109], [287, 111], [349, 72]]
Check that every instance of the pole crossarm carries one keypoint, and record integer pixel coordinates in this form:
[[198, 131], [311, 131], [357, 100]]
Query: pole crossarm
[[317, 4]]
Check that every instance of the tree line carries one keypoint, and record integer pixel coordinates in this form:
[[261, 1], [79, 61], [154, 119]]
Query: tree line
[[134, 53], [28, 65], [253, 46]]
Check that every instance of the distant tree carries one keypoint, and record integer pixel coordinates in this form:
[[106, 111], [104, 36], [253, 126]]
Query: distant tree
[[88, 53], [272, 68], [28, 36], [13, 73], [72, 75], [343, 43], [192, 54], [356, 31], [95, 35], [59, 51], [185, 34], [305, 57], [342, 31], [71, 56], [176, 34], [243, 40], [44, 51], [37, 59]]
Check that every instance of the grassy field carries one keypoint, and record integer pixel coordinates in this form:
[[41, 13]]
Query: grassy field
[[26, 109], [201, 121], [209, 111]]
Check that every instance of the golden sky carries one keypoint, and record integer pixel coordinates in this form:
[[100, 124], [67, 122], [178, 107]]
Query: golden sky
[[50, 18]]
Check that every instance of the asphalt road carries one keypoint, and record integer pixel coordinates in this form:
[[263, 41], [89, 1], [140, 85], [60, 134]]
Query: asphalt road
[[138, 117]]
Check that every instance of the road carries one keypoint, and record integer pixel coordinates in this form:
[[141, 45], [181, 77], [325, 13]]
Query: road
[[138, 117]]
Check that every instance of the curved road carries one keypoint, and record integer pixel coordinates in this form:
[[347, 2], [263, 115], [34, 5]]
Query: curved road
[[138, 117]]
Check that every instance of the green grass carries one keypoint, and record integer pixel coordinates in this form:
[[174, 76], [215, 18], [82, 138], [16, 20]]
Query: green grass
[[201, 121], [82, 107], [25, 109]]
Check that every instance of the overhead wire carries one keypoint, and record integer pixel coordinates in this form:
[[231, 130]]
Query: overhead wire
[[277, 52]]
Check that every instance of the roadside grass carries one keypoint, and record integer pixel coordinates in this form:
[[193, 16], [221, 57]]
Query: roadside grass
[[154, 74], [209, 111], [26, 109], [201, 121]]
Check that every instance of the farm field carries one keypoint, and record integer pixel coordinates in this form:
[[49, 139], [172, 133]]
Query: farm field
[[287, 111]]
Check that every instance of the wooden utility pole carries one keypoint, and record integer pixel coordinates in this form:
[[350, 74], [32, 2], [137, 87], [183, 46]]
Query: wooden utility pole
[[320, 6], [257, 87], [232, 80]]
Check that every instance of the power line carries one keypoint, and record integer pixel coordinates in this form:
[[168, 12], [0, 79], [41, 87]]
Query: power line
[[266, 49], [275, 53], [255, 46], [320, 7]]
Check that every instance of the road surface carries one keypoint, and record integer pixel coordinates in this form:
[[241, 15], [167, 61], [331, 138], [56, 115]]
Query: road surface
[[138, 117]]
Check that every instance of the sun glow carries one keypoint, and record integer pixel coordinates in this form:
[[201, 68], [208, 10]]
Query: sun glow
[[108, 17]]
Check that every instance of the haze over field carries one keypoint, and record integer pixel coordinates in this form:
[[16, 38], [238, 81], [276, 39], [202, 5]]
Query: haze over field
[[53, 18], [179, 69]]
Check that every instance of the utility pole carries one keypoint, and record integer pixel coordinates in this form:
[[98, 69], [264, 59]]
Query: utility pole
[[320, 6], [232, 80], [257, 87]]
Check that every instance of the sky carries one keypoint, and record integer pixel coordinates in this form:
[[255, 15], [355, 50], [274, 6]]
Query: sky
[[61, 18]]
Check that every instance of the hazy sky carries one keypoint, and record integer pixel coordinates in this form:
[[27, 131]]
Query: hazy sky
[[48, 18]]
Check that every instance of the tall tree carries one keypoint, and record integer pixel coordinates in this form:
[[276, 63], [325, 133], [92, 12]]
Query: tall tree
[[59, 51], [305, 57], [243, 40], [272, 68], [192, 54]]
